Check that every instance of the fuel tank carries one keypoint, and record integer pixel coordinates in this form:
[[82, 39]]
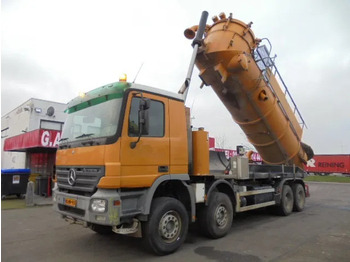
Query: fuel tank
[[253, 96]]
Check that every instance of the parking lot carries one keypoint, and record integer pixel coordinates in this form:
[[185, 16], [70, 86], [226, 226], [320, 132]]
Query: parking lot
[[320, 233]]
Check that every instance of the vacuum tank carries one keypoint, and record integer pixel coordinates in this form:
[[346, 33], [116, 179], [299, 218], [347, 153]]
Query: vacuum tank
[[227, 60]]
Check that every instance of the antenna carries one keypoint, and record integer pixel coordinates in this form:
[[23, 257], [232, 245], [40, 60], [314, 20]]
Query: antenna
[[138, 72]]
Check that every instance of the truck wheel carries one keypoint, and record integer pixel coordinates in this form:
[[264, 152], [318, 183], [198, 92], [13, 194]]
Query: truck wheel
[[299, 197], [100, 229], [287, 201], [167, 226], [215, 219]]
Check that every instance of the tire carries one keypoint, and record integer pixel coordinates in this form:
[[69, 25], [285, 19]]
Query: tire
[[100, 229], [20, 196], [215, 219], [167, 226], [287, 201], [299, 197]]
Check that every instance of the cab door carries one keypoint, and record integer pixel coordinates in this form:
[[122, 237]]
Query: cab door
[[149, 159]]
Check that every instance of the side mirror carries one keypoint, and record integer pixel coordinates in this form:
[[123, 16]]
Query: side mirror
[[144, 122], [143, 118], [145, 103]]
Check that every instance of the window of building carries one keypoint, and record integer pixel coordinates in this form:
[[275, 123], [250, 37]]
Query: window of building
[[4, 132], [51, 125]]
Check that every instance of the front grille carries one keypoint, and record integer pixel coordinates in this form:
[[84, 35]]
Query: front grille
[[86, 181]]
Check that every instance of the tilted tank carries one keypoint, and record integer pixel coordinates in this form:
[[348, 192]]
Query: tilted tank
[[243, 76]]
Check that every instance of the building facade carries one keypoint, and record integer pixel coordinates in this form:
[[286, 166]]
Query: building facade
[[30, 134]]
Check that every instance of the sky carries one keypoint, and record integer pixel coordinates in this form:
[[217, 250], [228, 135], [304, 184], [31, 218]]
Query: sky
[[55, 49]]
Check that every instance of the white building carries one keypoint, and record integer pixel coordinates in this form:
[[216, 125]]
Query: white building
[[30, 135]]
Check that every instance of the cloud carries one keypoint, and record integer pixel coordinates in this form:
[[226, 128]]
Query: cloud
[[24, 79], [54, 49]]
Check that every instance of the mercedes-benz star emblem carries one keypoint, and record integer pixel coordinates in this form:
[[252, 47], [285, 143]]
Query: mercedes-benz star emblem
[[72, 176]]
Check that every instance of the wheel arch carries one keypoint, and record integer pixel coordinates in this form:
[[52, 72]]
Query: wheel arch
[[290, 182], [287, 181], [172, 186], [222, 186]]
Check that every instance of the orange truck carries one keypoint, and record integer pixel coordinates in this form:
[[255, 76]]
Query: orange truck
[[129, 161]]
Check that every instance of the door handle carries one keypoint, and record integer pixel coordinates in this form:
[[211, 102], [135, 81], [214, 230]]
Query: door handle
[[162, 169]]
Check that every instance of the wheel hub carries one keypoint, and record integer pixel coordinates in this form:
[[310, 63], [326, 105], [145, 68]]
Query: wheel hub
[[170, 226], [300, 197], [289, 201], [221, 216]]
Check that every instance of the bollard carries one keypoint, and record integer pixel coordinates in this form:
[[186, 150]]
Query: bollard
[[30, 194]]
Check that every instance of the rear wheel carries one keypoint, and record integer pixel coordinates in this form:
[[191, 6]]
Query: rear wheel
[[167, 226], [287, 201], [215, 219], [299, 197]]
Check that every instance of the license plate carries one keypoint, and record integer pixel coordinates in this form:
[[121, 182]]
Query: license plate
[[70, 202]]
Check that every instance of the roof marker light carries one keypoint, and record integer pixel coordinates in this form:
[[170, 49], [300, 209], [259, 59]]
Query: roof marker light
[[122, 78]]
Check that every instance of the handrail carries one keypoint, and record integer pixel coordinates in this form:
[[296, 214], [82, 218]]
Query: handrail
[[262, 55]]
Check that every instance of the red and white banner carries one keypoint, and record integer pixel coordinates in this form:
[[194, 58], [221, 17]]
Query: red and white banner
[[37, 138], [229, 152], [49, 138], [329, 164]]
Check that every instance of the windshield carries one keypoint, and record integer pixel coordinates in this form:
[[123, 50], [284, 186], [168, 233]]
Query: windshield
[[98, 121]]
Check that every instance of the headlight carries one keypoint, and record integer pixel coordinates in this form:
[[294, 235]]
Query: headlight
[[99, 205]]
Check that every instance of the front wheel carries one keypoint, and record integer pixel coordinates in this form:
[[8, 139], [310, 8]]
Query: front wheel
[[167, 226], [215, 219]]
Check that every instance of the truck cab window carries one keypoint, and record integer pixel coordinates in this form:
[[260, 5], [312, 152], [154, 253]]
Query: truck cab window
[[156, 118]]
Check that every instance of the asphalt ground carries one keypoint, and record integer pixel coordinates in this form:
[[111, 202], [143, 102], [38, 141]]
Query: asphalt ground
[[320, 233]]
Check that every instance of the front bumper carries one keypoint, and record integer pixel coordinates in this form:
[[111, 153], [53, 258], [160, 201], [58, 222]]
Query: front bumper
[[79, 207]]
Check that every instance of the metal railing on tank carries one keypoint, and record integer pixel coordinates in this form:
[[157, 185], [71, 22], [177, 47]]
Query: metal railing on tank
[[266, 64]]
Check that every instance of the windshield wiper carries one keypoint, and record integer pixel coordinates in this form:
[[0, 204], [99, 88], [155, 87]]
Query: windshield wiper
[[85, 135], [63, 145]]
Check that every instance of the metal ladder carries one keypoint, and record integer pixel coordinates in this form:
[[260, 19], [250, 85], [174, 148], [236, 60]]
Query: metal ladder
[[265, 62]]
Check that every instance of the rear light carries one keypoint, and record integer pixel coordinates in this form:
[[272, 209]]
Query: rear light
[[307, 191]]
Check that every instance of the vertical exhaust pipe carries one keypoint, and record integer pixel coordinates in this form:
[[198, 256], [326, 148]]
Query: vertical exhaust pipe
[[201, 29]]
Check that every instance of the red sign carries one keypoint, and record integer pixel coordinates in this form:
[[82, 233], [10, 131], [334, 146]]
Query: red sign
[[49, 138], [229, 152], [211, 143], [36, 138], [329, 164]]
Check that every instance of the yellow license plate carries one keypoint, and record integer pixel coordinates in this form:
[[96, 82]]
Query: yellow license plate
[[70, 202]]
